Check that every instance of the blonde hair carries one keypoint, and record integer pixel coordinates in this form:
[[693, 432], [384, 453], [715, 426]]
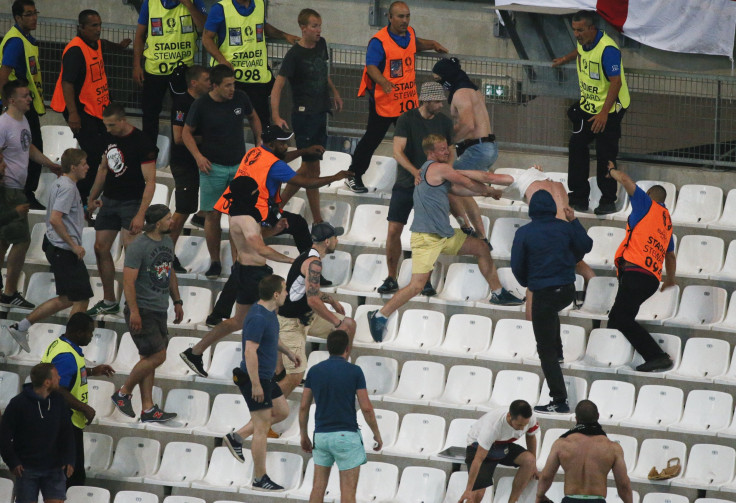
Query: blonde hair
[[430, 141]]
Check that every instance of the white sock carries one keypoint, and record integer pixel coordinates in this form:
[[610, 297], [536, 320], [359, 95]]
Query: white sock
[[109, 302], [380, 315], [24, 325], [499, 291]]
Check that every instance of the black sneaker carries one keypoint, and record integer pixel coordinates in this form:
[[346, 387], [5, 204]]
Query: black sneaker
[[194, 362], [233, 443], [553, 408], [214, 271], [123, 403], [579, 206], [213, 320], [156, 415], [469, 231], [428, 290], [605, 209], [659, 364], [356, 185], [266, 484], [178, 269], [505, 298], [197, 221], [15, 300], [389, 286]]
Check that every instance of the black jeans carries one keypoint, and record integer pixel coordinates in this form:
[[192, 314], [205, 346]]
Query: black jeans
[[152, 100], [546, 305], [79, 477], [375, 131], [633, 289], [91, 138], [260, 98], [298, 229], [606, 148], [34, 169]]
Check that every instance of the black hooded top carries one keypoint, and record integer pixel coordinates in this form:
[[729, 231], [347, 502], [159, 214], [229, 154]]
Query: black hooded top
[[453, 78]]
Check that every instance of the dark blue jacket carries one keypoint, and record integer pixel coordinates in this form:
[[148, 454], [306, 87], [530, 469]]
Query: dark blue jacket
[[546, 250]]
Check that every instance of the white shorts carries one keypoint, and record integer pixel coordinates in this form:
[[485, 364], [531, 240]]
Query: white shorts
[[523, 180]]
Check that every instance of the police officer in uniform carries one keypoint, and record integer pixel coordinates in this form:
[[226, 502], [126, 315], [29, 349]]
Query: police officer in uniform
[[235, 35], [604, 99], [166, 35], [648, 246]]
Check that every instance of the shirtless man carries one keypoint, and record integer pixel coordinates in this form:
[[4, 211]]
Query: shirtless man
[[475, 143], [586, 455]]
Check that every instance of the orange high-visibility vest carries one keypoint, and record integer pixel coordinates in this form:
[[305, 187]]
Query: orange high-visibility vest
[[256, 164], [400, 70], [94, 94], [646, 244]]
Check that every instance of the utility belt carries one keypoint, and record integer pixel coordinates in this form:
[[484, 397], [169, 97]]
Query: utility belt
[[462, 146]]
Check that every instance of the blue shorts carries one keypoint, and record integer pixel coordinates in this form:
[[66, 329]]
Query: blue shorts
[[478, 157], [342, 447], [51, 483], [213, 185]]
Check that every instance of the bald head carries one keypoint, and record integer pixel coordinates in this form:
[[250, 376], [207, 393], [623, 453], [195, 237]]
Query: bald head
[[657, 193], [401, 5], [586, 412]]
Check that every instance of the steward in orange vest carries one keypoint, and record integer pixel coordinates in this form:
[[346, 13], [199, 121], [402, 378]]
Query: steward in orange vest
[[94, 94]]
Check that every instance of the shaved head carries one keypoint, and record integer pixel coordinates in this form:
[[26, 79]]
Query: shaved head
[[396, 4], [657, 193]]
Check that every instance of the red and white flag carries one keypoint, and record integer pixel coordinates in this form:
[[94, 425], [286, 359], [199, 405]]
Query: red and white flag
[[690, 26]]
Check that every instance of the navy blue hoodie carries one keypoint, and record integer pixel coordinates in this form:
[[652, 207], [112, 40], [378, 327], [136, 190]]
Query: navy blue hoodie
[[37, 432], [546, 250]]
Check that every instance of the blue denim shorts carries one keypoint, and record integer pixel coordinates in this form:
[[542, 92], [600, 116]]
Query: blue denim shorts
[[342, 447], [478, 157], [51, 483]]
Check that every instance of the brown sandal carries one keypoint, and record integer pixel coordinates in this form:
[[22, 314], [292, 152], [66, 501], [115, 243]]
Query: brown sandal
[[670, 471]]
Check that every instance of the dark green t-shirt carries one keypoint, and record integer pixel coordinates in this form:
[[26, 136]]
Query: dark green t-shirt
[[307, 72], [412, 126]]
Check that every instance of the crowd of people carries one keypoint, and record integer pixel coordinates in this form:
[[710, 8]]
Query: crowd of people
[[442, 164]]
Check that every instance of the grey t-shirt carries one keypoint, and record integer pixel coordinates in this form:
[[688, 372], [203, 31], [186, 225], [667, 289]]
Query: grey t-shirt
[[64, 197], [412, 126], [16, 137], [153, 260]]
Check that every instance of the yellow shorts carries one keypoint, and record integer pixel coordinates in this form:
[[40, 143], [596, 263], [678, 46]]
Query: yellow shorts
[[426, 249], [293, 335]]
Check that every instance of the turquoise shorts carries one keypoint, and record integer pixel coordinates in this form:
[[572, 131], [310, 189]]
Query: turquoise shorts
[[342, 447], [213, 185]]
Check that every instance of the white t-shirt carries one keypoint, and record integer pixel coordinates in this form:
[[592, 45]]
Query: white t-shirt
[[493, 428], [16, 135]]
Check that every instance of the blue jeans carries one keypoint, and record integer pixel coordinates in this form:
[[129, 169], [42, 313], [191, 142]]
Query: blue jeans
[[478, 157], [51, 483]]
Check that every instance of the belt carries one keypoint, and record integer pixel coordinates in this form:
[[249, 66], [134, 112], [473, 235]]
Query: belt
[[475, 141]]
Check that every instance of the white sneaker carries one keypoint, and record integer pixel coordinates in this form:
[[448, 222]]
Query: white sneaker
[[20, 336]]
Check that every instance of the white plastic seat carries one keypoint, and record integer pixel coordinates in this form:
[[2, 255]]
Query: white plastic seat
[[40, 336], [288, 429], [699, 256], [464, 285], [6, 490], [296, 205], [226, 473], [661, 306], [706, 413], [655, 452], [453, 450], [378, 482], [88, 242], [337, 213], [369, 226], [9, 386], [368, 274], [511, 385], [613, 497], [419, 382], [284, 468], [127, 355], [622, 199], [302, 493], [607, 350], [599, 298], [381, 374], [226, 356], [193, 255], [512, 341], [728, 270], [420, 484], [98, 397], [511, 284], [698, 205], [615, 400], [550, 435], [467, 387], [362, 333], [708, 466], [102, 348], [281, 268], [118, 419], [388, 425], [332, 163], [35, 253], [420, 436], [164, 151], [419, 330], [229, 411], [336, 267], [41, 287], [181, 464], [645, 185], [503, 491], [192, 409], [160, 194], [437, 279], [466, 335], [629, 445], [379, 178], [8, 346], [456, 488], [670, 344], [577, 389], [87, 494], [56, 139], [134, 458], [182, 499], [197, 306], [135, 497], [605, 243], [656, 407], [97, 451], [703, 359], [573, 346], [664, 498], [727, 219], [174, 367], [502, 236]]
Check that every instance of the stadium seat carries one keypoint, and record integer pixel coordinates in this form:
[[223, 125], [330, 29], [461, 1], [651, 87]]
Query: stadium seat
[[226, 473], [9, 386], [573, 346], [369, 226], [622, 200], [728, 269], [420, 436], [599, 297], [88, 242], [464, 285], [509, 201], [336, 267], [368, 274], [577, 389], [164, 151], [97, 451], [512, 341], [182, 499], [550, 435], [40, 336], [296, 205], [6, 491], [118, 419], [420, 484], [303, 492], [193, 256], [281, 268], [503, 491], [511, 385], [466, 335], [8, 346], [645, 185], [511, 284], [703, 359], [419, 330], [226, 356], [56, 139], [43, 192], [284, 468], [98, 397], [127, 355], [615, 400], [502, 236], [197, 305], [726, 220], [656, 408], [314, 358], [700, 306], [467, 387], [134, 458], [613, 497], [181, 464], [629, 445], [660, 306], [388, 425], [706, 413], [730, 376], [607, 350], [419, 382], [331, 164], [456, 488], [362, 333], [229, 412], [381, 375], [664, 498], [87, 494], [437, 278], [337, 213], [698, 205], [41, 287], [453, 451], [605, 243], [35, 254], [102, 347], [655, 452], [378, 179], [161, 194], [708, 466], [288, 429], [378, 482], [699, 256], [670, 344], [174, 367], [192, 409], [135, 497]]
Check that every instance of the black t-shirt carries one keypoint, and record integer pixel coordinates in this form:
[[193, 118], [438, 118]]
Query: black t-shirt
[[307, 72], [412, 126], [180, 155], [125, 154], [221, 126]]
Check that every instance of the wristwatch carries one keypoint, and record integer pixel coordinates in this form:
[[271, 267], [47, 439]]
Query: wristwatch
[[179, 302]]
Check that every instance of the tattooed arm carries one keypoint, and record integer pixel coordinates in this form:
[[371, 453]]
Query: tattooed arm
[[316, 299]]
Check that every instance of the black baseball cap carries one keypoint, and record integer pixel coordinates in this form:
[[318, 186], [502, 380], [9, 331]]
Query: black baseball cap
[[154, 213], [323, 231], [275, 133]]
